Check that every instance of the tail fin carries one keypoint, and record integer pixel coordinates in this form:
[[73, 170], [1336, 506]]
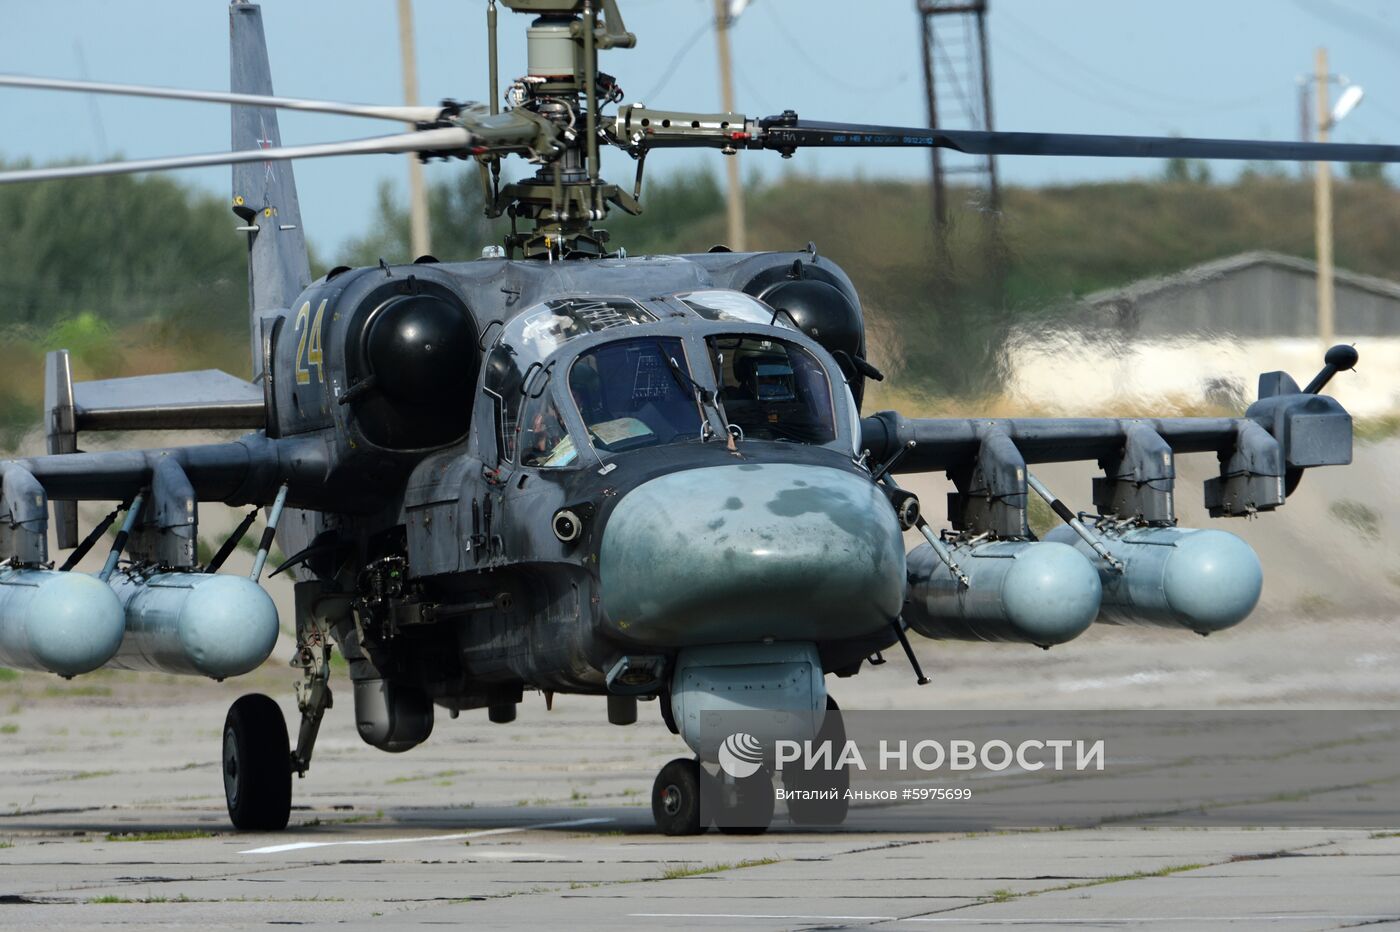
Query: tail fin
[[264, 193]]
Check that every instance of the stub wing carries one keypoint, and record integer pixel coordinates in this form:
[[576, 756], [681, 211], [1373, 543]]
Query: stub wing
[[1262, 455]]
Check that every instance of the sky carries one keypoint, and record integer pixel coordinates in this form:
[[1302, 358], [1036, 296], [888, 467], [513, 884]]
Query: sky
[[1190, 67]]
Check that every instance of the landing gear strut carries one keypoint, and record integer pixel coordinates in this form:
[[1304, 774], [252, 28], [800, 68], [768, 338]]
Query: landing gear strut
[[256, 765], [744, 806]]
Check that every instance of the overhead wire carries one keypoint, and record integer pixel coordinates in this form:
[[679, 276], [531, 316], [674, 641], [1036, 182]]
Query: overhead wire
[[706, 27], [796, 45], [1185, 104], [1127, 106], [1361, 25]]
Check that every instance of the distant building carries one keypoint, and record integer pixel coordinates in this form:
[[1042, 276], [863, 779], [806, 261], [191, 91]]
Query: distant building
[[1200, 337]]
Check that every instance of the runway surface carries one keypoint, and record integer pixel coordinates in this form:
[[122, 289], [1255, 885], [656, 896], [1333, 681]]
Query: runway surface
[[112, 814]]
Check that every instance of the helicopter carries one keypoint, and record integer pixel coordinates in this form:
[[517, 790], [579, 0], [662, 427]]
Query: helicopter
[[560, 468]]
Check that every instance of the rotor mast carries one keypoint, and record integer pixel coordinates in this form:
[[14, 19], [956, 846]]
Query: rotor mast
[[564, 88]]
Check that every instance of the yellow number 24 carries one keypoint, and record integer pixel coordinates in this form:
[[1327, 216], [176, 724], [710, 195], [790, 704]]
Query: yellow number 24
[[309, 351]]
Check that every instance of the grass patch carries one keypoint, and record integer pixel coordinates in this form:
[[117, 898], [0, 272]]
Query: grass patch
[[677, 871], [1314, 605], [1003, 895], [112, 898], [440, 775], [90, 774], [158, 836], [9, 728], [1372, 429], [1360, 517], [7, 675], [1384, 835]]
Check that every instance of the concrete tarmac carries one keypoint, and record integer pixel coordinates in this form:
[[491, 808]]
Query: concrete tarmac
[[112, 812]]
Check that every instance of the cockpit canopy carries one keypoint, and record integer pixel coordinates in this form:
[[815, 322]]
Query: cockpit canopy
[[630, 385]]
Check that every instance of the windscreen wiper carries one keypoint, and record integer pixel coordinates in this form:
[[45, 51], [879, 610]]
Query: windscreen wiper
[[703, 397]]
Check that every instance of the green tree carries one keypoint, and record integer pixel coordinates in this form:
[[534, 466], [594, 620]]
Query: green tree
[[1367, 171], [124, 248], [457, 223], [1186, 171]]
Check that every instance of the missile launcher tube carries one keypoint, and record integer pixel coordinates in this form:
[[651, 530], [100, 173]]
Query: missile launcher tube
[[1200, 579], [64, 623], [204, 624], [1022, 591]]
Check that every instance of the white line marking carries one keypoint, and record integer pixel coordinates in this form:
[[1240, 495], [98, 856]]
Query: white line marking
[[755, 916], [1097, 920], [963, 920], [301, 845]]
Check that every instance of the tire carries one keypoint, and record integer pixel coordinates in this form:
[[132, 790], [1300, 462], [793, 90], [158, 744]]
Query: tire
[[675, 798], [822, 811], [747, 805], [257, 765]]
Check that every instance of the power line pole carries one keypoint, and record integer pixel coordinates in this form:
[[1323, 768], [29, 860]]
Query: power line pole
[[420, 237], [735, 200], [1322, 199], [958, 88]]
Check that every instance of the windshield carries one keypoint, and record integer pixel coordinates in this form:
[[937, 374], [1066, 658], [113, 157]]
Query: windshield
[[636, 393], [773, 390], [519, 367]]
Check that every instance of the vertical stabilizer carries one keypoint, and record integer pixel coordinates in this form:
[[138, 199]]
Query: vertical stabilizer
[[264, 193]]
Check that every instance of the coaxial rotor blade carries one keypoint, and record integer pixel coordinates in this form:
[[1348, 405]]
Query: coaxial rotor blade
[[784, 133], [401, 113], [448, 139]]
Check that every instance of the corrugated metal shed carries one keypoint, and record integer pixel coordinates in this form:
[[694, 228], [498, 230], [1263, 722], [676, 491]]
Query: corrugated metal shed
[[1253, 294]]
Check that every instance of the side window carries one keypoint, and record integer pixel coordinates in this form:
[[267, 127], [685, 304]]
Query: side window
[[540, 435], [503, 384], [773, 390]]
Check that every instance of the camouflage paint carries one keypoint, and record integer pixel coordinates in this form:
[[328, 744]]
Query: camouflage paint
[[744, 552]]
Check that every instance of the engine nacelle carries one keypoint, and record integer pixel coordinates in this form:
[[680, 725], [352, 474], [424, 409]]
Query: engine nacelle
[[1023, 591], [205, 624], [1174, 577], [64, 623]]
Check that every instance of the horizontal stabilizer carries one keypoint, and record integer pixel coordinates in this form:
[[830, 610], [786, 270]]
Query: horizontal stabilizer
[[170, 401], [207, 399]]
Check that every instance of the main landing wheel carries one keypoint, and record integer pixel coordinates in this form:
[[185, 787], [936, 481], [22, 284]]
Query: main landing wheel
[[675, 798], [257, 765]]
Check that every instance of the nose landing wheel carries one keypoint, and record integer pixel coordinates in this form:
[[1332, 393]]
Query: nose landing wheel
[[675, 798], [257, 765]]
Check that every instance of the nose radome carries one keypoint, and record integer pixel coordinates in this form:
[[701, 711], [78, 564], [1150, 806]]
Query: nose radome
[[750, 551]]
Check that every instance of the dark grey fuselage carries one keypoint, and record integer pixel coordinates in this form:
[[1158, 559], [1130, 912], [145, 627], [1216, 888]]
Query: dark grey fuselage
[[683, 544]]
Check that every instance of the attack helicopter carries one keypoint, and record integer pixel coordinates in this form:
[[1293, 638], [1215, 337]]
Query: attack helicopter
[[559, 468]]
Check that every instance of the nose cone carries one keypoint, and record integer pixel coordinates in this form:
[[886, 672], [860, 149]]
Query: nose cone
[[745, 552]]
